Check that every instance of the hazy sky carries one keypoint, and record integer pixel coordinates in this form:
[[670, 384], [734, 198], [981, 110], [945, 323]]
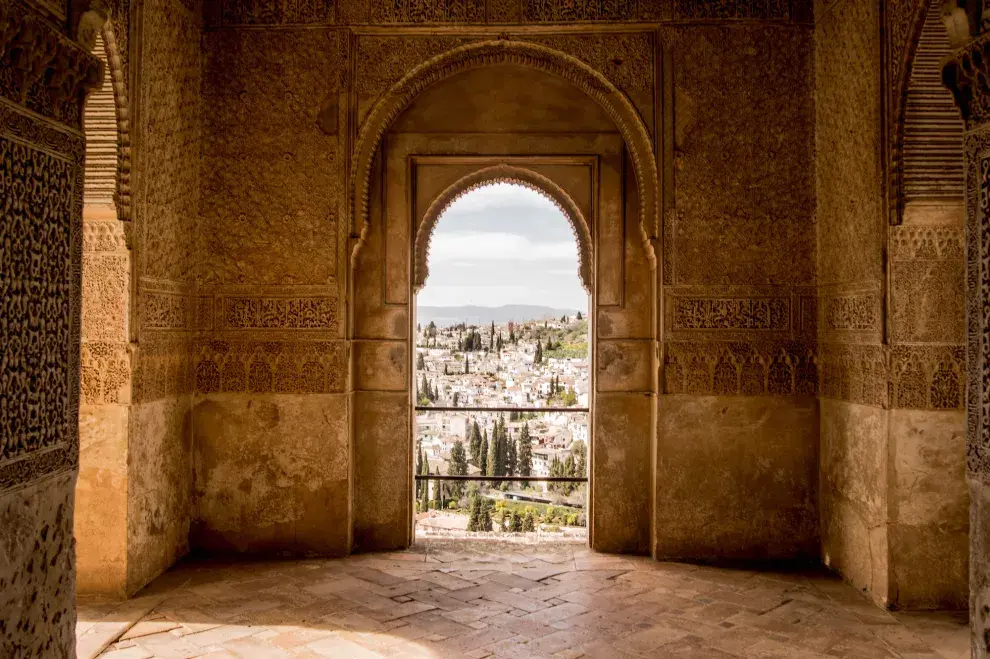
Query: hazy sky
[[503, 244]]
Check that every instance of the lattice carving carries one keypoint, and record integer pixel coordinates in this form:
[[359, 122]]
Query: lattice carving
[[722, 313], [470, 56], [40, 247], [318, 312], [741, 368], [428, 11], [516, 176], [308, 367]]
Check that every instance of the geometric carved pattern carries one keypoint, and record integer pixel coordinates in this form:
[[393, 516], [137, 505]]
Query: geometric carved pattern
[[856, 311], [428, 11], [310, 367], [905, 376], [280, 313], [855, 373], [162, 370], [105, 372], [741, 368], [579, 10], [760, 9], [272, 12], [166, 311], [927, 377], [37, 196], [702, 313]]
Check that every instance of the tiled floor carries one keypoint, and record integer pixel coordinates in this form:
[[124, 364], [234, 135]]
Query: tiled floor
[[481, 599]]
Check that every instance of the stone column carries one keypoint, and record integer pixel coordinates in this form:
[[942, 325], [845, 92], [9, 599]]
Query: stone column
[[44, 78], [966, 73]]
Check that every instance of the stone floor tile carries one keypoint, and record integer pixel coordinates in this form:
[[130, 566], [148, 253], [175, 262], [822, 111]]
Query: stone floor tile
[[481, 600]]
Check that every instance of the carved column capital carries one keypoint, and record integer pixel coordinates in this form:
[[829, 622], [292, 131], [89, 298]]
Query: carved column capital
[[967, 74], [48, 72]]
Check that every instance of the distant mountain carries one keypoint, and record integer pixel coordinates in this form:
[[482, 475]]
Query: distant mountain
[[474, 315]]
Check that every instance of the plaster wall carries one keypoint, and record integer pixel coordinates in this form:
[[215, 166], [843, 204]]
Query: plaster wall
[[737, 446], [891, 329]]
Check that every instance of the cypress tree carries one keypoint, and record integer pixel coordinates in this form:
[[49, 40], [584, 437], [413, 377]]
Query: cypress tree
[[538, 357], [524, 458], [475, 444], [493, 453], [512, 459], [458, 467], [467, 364], [484, 453]]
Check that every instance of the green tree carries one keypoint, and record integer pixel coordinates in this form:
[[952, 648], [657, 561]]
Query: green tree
[[529, 520], [511, 458], [456, 396], [485, 522], [467, 364], [458, 467], [420, 362], [524, 457], [475, 445], [445, 371], [580, 452], [474, 514], [484, 453], [493, 454], [538, 357], [579, 317], [419, 466]]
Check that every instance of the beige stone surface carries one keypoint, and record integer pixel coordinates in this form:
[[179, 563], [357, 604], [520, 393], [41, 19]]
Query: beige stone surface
[[736, 478], [159, 488], [382, 471], [100, 520], [271, 474], [620, 473], [929, 512], [853, 495]]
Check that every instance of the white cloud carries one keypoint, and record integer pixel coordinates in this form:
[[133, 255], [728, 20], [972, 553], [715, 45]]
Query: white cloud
[[498, 195], [503, 244], [497, 247]]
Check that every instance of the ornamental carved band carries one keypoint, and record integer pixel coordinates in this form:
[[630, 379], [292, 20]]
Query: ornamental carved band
[[692, 313], [593, 83]]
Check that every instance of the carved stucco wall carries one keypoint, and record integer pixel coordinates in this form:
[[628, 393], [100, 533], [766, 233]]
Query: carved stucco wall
[[893, 501], [43, 82], [739, 305], [166, 205], [285, 99], [270, 419]]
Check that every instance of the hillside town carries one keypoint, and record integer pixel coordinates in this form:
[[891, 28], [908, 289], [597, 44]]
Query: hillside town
[[533, 364]]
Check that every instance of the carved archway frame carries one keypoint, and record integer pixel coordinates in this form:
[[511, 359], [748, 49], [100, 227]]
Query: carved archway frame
[[122, 198], [516, 175], [505, 51]]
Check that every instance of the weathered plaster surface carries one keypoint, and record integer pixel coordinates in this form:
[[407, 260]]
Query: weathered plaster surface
[[929, 510], [736, 478], [159, 474], [37, 574], [100, 522], [853, 494], [620, 472], [271, 474]]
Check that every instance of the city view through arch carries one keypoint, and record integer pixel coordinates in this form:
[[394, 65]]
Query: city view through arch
[[502, 378]]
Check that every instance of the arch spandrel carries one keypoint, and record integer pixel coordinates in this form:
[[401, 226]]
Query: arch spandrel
[[513, 175], [618, 107]]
